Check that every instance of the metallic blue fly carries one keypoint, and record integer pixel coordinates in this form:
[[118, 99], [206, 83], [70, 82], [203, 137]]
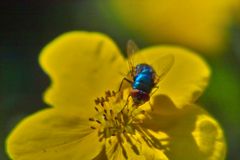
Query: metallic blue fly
[[143, 77]]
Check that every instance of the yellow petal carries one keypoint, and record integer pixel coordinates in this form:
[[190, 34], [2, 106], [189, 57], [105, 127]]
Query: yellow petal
[[187, 78], [199, 24], [189, 129], [82, 66], [51, 134], [117, 147], [156, 150], [209, 137], [131, 146]]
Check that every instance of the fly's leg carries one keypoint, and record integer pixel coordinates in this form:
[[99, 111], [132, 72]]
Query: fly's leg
[[123, 80], [120, 87], [126, 104], [156, 81], [155, 90], [151, 105]]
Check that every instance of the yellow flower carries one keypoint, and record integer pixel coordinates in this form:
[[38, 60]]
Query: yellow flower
[[199, 24], [82, 67]]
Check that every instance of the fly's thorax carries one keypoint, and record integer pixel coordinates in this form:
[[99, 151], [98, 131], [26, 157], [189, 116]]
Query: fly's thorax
[[144, 68], [144, 80], [115, 115]]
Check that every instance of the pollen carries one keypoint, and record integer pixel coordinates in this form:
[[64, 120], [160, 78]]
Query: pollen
[[115, 115]]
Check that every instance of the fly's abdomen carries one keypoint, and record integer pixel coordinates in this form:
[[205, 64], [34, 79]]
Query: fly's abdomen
[[143, 82]]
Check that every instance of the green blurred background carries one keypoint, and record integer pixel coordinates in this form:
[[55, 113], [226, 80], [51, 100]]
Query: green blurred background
[[26, 26]]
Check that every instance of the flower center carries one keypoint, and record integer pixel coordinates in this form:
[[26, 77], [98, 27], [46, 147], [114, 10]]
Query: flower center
[[115, 115]]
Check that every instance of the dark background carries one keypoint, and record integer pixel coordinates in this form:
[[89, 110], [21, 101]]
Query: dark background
[[27, 26]]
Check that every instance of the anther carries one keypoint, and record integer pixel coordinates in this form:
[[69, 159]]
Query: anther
[[98, 121], [102, 99], [111, 112], [97, 101], [93, 127], [108, 93], [105, 111], [91, 119], [100, 139], [122, 111], [96, 109], [106, 99], [105, 117], [113, 93], [143, 111]]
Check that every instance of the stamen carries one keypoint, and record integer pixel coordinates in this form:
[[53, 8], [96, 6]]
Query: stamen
[[108, 94], [105, 117], [93, 127], [97, 101], [111, 112], [106, 99], [112, 119], [91, 119], [113, 93], [96, 109], [98, 121]]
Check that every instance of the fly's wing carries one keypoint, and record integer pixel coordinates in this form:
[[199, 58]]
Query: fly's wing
[[163, 66], [132, 48]]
